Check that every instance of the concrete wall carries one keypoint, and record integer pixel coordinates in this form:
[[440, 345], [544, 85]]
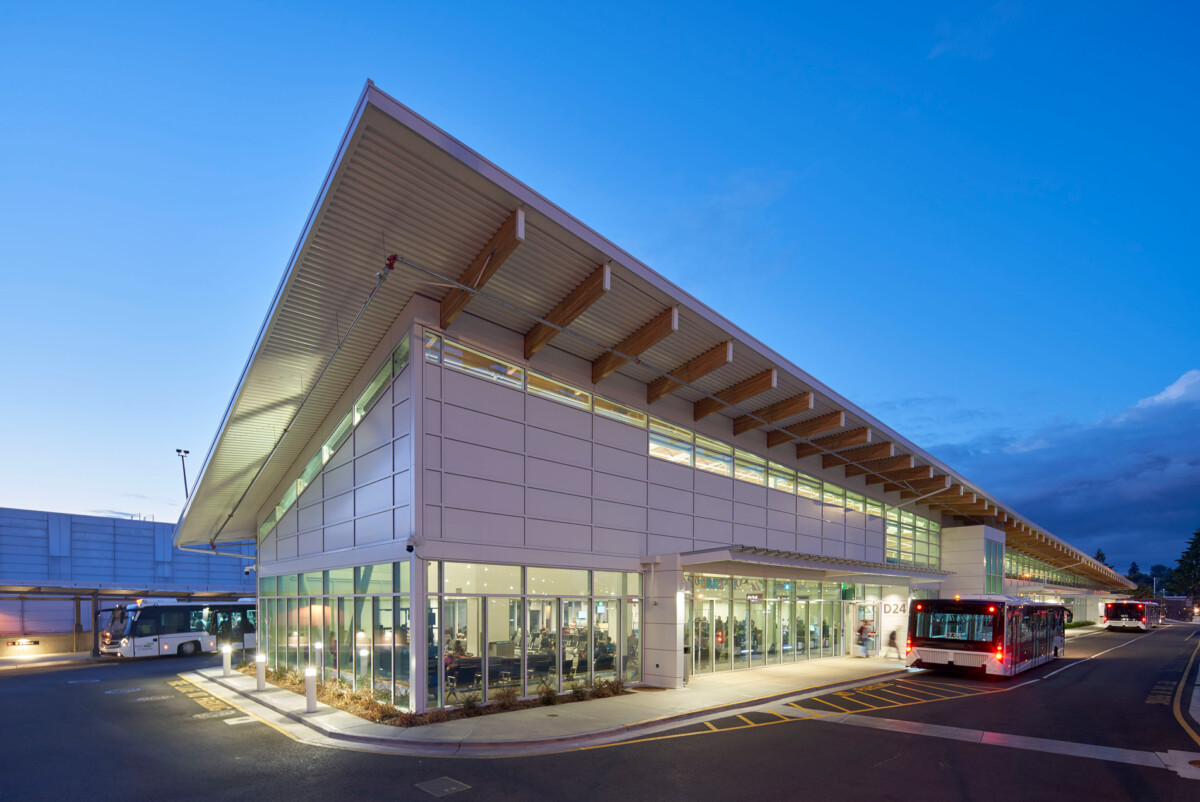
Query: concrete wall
[[49, 548], [503, 467], [964, 553]]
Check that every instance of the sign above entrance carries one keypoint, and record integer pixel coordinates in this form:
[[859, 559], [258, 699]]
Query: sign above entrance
[[754, 597]]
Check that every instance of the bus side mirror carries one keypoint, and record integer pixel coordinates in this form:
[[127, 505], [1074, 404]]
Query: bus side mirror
[[1070, 616]]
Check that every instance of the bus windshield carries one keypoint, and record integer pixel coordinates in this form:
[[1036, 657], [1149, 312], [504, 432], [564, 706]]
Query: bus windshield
[[118, 622], [958, 623]]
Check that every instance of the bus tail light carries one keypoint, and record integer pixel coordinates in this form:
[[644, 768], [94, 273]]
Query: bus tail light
[[1000, 655], [908, 646]]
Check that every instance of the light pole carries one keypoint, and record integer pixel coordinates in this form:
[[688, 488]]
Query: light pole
[[182, 456]]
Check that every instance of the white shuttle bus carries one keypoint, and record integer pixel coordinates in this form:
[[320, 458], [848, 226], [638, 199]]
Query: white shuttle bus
[[150, 628]]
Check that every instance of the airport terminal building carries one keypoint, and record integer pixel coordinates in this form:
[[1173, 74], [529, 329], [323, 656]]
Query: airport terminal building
[[479, 446]]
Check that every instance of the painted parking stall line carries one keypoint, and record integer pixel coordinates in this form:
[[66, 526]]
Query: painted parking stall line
[[202, 697]]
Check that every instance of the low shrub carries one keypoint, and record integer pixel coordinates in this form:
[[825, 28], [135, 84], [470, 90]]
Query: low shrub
[[1077, 624], [547, 694], [579, 691], [470, 703], [436, 716], [506, 698]]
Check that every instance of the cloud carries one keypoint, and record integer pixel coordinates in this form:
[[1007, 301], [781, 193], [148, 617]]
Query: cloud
[[1185, 388], [1129, 484], [112, 513]]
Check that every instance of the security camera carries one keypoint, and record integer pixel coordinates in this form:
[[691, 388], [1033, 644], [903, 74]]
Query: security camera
[[410, 548], [246, 571]]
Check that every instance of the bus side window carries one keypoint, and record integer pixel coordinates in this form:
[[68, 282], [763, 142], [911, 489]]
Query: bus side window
[[174, 622], [146, 626]]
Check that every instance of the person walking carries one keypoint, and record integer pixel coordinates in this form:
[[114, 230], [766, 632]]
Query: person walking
[[862, 638], [893, 644]]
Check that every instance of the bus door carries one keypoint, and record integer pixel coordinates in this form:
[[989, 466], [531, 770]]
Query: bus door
[[145, 633]]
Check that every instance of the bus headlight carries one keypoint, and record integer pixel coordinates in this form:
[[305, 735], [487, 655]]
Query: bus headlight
[[124, 641]]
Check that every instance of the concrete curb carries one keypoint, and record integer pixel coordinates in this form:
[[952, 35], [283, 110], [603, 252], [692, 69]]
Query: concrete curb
[[513, 747]]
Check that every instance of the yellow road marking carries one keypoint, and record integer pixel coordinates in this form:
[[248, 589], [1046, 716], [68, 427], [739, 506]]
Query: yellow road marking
[[248, 713], [749, 702], [748, 721], [1176, 709], [954, 688], [711, 726], [880, 698], [831, 704], [905, 695]]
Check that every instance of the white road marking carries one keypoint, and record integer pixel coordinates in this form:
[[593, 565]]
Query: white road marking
[[152, 698], [241, 720], [1094, 656], [1176, 761], [123, 690], [216, 713]]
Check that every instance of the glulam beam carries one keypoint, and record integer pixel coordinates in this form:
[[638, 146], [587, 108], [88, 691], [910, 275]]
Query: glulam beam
[[742, 391], [887, 464], [484, 265], [716, 357], [834, 442], [814, 426], [864, 454], [592, 289], [775, 412], [641, 340]]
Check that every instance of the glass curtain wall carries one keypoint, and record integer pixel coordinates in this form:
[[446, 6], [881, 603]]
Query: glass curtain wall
[[529, 629], [488, 628], [349, 623], [744, 622]]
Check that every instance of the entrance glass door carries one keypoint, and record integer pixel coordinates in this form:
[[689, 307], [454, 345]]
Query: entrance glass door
[[868, 616], [741, 634]]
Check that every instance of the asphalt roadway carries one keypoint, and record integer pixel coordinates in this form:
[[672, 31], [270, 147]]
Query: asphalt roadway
[[1080, 727]]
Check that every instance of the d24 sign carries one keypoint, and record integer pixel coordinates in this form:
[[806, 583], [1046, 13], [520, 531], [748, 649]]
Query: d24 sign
[[895, 609]]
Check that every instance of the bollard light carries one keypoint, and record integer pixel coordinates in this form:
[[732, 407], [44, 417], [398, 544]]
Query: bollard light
[[226, 657], [319, 646], [260, 670], [310, 689]]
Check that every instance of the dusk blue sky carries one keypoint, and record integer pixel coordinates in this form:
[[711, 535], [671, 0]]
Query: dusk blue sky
[[975, 221]]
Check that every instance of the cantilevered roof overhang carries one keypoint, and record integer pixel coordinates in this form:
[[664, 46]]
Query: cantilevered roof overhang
[[831, 567], [479, 242]]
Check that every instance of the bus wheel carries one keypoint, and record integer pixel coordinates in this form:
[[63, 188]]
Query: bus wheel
[[189, 649]]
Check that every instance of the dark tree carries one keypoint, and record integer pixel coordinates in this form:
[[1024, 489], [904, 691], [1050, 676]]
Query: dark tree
[[1185, 579], [1101, 557], [1159, 571]]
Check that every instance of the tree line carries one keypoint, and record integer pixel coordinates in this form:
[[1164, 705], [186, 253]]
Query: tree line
[[1182, 580]]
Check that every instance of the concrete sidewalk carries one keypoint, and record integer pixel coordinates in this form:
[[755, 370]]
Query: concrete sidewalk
[[542, 730], [41, 660]]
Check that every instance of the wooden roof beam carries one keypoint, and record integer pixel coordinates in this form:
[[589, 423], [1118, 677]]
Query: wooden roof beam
[[905, 474], [592, 289], [929, 485], [888, 464], [808, 428], [742, 391], [644, 338], [834, 442], [864, 454], [775, 412], [716, 357], [484, 265]]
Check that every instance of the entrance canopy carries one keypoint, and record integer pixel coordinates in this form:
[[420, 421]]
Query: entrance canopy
[[719, 560]]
